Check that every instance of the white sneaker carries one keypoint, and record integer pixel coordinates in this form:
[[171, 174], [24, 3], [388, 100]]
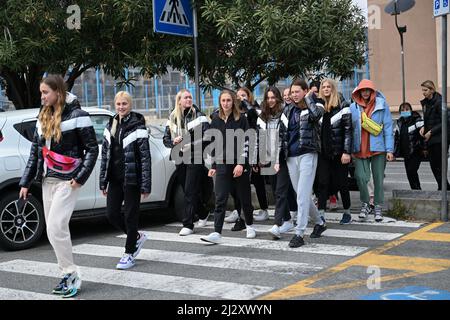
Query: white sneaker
[[251, 232], [126, 262], [202, 222], [286, 227], [262, 215], [275, 231], [186, 232], [213, 237], [140, 243], [232, 217]]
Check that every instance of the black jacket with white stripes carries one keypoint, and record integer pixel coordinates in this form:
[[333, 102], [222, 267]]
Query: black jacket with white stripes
[[78, 141], [239, 146], [279, 124], [133, 137], [193, 127], [407, 129], [341, 129]]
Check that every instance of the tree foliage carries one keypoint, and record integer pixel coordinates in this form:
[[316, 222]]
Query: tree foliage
[[34, 39], [242, 41], [248, 41]]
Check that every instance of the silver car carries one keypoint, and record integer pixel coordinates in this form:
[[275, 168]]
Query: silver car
[[20, 230]]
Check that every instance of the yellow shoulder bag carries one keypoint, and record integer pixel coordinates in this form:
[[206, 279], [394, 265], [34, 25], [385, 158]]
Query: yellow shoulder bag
[[370, 126]]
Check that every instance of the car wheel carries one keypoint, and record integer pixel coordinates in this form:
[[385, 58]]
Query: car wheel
[[20, 230]]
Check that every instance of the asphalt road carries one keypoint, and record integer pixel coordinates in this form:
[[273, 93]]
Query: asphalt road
[[356, 261]]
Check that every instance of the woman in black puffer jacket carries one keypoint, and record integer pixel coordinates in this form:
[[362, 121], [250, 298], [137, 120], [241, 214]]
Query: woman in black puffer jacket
[[125, 173], [62, 156], [432, 129], [336, 143], [408, 142], [184, 135]]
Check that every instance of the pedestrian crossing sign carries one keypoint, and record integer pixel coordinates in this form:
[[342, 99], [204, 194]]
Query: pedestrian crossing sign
[[173, 17]]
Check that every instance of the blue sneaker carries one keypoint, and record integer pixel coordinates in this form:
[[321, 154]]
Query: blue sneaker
[[126, 262], [140, 243], [346, 219], [69, 285], [59, 289]]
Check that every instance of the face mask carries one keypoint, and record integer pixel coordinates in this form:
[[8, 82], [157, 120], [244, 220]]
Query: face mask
[[405, 114]]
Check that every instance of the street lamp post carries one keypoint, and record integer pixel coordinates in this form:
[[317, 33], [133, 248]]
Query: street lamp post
[[394, 8]]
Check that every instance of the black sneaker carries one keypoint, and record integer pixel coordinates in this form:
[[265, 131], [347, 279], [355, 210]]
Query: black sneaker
[[318, 230], [346, 219], [296, 241], [239, 225]]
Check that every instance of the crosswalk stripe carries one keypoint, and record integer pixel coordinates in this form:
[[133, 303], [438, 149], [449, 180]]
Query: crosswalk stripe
[[13, 294], [387, 222], [204, 260], [339, 233], [335, 217], [149, 281], [328, 249]]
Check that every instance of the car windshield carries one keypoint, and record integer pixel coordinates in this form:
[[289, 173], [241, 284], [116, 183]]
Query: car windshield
[[156, 131]]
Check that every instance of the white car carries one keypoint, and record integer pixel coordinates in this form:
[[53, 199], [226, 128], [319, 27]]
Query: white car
[[20, 230]]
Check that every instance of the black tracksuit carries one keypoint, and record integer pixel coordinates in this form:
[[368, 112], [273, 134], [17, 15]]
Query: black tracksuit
[[224, 170], [336, 139], [190, 175], [432, 116], [126, 173], [410, 145]]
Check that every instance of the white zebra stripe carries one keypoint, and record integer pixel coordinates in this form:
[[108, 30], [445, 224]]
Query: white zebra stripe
[[203, 260], [13, 294], [335, 217], [387, 222], [315, 248], [141, 280], [338, 233], [137, 134]]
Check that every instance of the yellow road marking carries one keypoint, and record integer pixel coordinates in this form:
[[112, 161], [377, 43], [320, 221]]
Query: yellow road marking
[[415, 266]]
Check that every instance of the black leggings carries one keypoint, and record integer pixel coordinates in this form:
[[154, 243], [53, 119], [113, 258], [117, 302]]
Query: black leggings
[[129, 220], [224, 182]]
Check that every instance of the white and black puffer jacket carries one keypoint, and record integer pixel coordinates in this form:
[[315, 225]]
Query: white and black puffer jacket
[[134, 139], [78, 141]]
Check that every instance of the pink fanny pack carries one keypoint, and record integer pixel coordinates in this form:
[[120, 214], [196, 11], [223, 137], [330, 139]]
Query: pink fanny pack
[[59, 163]]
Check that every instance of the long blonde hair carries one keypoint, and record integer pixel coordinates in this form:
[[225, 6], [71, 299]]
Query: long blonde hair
[[176, 117], [333, 100], [50, 116]]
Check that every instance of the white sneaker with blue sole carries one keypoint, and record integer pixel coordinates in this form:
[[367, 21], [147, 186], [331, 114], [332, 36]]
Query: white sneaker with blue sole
[[126, 262]]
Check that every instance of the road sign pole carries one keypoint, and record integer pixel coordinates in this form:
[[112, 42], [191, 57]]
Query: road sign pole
[[444, 206], [197, 84]]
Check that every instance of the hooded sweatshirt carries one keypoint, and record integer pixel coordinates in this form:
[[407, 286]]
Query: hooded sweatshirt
[[368, 109]]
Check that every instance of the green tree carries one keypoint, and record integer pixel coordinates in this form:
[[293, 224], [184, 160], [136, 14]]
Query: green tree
[[248, 41], [35, 38]]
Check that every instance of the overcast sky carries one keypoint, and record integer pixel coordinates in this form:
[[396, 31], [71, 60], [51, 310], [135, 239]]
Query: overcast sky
[[362, 4]]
